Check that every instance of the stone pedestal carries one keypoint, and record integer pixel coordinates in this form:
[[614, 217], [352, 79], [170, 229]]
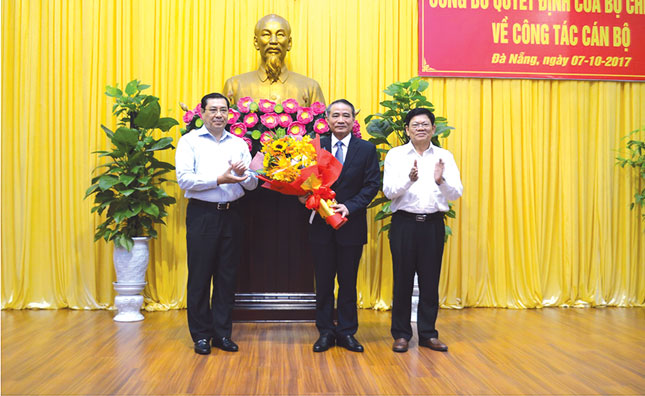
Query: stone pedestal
[[129, 301]]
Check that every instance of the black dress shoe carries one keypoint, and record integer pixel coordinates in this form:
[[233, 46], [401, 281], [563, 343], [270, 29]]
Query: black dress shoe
[[324, 342], [225, 344], [202, 347], [349, 342]]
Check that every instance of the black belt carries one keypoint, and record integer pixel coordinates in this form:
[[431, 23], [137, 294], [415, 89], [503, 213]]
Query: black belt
[[420, 217], [214, 205]]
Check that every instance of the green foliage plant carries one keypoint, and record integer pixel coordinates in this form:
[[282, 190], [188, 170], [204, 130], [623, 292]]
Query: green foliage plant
[[382, 127], [128, 186], [635, 158]]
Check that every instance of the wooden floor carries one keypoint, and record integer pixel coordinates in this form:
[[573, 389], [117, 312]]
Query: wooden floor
[[551, 351]]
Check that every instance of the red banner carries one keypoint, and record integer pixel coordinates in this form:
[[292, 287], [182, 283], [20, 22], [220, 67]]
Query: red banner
[[560, 39]]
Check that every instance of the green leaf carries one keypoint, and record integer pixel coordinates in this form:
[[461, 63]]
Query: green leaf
[[382, 215], [131, 88], [379, 140], [107, 181], [161, 144], [392, 90], [378, 201], [107, 131], [385, 228], [125, 138], [126, 179], [390, 104], [127, 243], [90, 190], [423, 85], [113, 92], [165, 123], [148, 116], [141, 87], [379, 128], [151, 209]]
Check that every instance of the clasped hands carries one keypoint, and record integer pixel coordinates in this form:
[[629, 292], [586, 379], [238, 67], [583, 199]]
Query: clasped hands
[[234, 173], [438, 172]]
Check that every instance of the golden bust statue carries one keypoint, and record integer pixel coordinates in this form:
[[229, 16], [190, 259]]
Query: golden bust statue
[[273, 80]]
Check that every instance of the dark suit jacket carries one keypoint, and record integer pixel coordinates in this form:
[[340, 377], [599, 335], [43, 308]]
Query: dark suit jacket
[[356, 186]]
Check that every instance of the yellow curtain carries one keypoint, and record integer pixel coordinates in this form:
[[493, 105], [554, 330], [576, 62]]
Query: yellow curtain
[[544, 220]]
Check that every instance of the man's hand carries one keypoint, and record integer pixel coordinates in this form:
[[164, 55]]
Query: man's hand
[[303, 198], [414, 172], [238, 167], [228, 177], [438, 171], [340, 208]]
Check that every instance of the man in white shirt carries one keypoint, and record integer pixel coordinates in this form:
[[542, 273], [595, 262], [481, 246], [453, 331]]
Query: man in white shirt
[[212, 169], [420, 178]]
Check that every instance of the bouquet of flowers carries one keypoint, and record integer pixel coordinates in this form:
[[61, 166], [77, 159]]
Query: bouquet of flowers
[[299, 166], [258, 122]]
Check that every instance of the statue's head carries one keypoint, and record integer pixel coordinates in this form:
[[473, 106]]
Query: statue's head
[[273, 41]]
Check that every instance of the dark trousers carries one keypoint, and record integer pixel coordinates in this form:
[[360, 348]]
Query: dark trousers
[[416, 247], [330, 261], [214, 239]]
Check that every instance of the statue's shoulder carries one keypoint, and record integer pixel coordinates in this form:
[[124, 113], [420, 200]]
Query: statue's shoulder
[[243, 77], [302, 80]]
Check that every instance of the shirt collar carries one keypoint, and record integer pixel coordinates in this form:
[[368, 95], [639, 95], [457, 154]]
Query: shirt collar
[[345, 140], [203, 131], [284, 74], [410, 148]]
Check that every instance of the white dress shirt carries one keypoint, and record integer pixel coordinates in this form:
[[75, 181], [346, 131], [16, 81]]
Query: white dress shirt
[[200, 159], [424, 195], [345, 141]]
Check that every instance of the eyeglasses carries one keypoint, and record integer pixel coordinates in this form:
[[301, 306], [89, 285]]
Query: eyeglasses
[[422, 125], [214, 110]]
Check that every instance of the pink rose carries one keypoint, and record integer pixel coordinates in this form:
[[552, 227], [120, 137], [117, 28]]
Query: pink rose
[[244, 104], [188, 117], [290, 106], [233, 116], [318, 108], [305, 115], [297, 129], [238, 129], [284, 120], [266, 137], [198, 110], [321, 126], [266, 106], [356, 129], [269, 120], [251, 119], [248, 142]]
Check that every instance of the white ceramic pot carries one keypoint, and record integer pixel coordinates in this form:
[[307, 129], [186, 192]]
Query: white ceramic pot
[[130, 269]]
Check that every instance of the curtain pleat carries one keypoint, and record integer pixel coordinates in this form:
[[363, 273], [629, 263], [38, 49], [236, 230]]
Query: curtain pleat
[[544, 220]]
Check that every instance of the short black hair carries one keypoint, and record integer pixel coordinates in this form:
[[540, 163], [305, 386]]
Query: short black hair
[[214, 95], [418, 111], [344, 101]]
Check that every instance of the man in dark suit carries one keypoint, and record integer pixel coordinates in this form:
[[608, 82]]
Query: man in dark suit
[[337, 253]]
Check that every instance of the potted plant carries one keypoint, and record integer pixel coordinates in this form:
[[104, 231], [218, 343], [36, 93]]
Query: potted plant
[[127, 189], [635, 157], [380, 126]]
